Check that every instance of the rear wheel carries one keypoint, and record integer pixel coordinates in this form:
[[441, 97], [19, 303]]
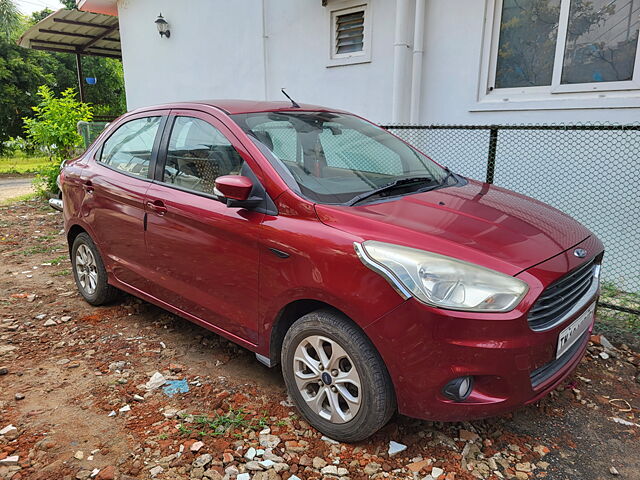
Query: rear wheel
[[89, 272], [336, 377]]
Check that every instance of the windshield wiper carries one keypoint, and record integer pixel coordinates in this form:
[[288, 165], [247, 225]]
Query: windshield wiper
[[449, 175], [401, 182]]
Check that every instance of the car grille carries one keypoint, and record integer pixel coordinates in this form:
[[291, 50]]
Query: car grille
[[544, 373], [559, 297]]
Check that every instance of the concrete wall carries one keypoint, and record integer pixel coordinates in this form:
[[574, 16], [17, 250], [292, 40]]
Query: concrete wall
[[217, 50]]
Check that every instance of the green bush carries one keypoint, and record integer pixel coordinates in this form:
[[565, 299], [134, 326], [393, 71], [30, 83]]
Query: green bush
[[54, 128]]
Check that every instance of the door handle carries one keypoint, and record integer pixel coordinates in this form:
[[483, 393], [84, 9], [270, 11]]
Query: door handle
[[88, 186], [157, 206]]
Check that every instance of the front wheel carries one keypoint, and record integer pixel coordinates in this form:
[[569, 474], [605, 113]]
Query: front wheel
[[336, 377], [89, 272]]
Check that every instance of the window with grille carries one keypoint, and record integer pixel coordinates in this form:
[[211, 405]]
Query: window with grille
[[350, 35]]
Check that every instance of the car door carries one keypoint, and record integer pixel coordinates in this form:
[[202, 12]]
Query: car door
[[115, 186], [204, 254]]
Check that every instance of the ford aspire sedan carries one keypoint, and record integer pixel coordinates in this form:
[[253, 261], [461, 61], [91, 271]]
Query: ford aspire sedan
[[379, 280]]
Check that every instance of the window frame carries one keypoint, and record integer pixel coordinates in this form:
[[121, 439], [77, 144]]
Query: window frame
[[155, 148], [579, 95], [344, 8]]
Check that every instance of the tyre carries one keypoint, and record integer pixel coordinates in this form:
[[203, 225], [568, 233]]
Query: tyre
[[89, 272], [336, 377]]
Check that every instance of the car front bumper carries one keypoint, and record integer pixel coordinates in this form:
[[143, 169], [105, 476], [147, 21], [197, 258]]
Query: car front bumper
[[512, 365]]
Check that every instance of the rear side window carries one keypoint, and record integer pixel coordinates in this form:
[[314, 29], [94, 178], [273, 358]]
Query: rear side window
[[129, 148], [198, 154]]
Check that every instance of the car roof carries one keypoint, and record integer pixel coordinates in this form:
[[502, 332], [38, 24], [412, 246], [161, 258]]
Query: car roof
[[232, 107]]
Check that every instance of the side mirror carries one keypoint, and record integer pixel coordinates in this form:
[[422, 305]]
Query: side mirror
[[234, 187]]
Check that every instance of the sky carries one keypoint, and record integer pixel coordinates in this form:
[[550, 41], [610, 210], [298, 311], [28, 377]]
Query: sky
[[29, 6]]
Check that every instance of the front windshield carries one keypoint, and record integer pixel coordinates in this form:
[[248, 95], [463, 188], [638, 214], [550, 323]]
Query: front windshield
[[333, 158]]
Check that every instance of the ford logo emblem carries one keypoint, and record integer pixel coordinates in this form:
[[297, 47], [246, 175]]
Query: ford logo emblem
[[580, 252]]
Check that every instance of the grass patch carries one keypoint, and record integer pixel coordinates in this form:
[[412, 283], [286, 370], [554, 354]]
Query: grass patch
[[61, 273], [20, 164], [59, 260], [621, 327], [234, 422]]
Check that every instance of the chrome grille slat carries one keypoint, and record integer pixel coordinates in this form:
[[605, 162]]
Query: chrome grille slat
[[558, 298]]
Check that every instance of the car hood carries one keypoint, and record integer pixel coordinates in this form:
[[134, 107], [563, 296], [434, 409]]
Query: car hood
[[475, 222]]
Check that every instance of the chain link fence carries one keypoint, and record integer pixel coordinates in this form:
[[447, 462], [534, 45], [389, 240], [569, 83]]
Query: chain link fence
[[588, 171]]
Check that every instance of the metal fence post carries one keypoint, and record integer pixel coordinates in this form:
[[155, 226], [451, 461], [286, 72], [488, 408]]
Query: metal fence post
[[491, 159]]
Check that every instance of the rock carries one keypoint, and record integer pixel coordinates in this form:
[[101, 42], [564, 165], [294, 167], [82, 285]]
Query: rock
[[613, 470], [112, 413], [415, 467], [212, 474], [269, 441], [9, 432], [243, 476], [251, 454], [155, 471], [232, 471], [395, 447], [196, 446], [79, 455], [254, 466], [318, 463], [372, 468], [202, 460], [436, 472], [126, 408], [170, 412], [95, 472], [523, 467], [342, 471], [604, 355], [49, 323], [4, 371], [467, 436], [197, 473], [107, 473], [541, 450], [543, 465], [329, 470], [266, 464], [65, 319], [156, 381], [138, 398], [329, 440], [227, 457], [19, 396], [83, 474], [9, 461], [522, 476]]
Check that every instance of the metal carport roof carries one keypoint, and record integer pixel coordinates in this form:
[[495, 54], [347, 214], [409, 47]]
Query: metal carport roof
[[73, 31]]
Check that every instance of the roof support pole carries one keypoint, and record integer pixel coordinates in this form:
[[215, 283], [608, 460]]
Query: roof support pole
[[80, 75], [418, 53], [401, 58]]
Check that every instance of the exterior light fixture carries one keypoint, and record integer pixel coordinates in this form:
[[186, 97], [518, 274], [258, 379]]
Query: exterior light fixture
[[163, 26]]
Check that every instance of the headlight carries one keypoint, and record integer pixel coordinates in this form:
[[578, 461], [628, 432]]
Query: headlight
[[442, 281]]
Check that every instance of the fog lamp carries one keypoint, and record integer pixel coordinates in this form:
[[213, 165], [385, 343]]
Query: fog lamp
[[458, 389]]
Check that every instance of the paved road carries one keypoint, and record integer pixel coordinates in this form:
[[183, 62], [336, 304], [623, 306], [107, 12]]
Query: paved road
[[11, 187]]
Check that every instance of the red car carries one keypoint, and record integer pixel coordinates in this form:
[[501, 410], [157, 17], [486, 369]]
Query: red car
[[379, 280]]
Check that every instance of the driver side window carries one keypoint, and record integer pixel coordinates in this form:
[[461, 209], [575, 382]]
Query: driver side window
[[199, 153]]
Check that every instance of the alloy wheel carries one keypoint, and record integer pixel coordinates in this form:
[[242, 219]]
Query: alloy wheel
[[327, 379], [86, 269]]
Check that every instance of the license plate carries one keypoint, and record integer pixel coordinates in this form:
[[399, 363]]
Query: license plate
[[573, 332]]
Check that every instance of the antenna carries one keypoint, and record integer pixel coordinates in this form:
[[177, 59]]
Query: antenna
[[293, 102]]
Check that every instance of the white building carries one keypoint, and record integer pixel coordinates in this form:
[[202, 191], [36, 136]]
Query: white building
[[418, 61], [479, 62]]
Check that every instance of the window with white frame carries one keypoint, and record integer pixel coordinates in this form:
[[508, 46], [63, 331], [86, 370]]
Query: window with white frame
[[564, 46], [350, 33]]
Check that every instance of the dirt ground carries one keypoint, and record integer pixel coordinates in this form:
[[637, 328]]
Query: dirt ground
[[15, 186], [72, 385]]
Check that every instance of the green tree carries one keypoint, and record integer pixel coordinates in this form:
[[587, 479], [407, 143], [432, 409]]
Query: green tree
[[54, 125], [9, 18]]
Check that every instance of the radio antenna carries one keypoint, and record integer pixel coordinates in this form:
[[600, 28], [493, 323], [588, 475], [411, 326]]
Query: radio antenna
[[293, 102]]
